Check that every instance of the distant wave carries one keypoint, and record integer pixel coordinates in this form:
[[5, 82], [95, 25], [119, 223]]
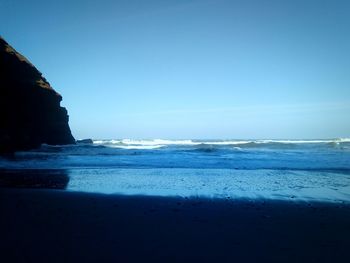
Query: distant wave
[[204, 154], [209, 144], [139, 147], [340, 140]]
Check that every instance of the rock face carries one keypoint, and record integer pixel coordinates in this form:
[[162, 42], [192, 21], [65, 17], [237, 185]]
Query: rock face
[[30, 111]]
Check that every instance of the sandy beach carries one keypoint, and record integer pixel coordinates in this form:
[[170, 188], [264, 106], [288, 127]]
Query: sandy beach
[[46, 225]]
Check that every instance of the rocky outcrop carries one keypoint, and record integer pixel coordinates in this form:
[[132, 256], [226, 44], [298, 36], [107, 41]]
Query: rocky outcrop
[[30, 111]]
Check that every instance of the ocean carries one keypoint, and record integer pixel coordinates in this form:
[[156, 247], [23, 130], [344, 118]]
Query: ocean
[[298, 170]]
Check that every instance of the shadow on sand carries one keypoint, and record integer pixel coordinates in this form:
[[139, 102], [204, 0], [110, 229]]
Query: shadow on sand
[[34, 178]]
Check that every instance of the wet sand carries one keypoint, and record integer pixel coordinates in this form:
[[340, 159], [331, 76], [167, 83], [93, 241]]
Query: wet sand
[[46, 225]]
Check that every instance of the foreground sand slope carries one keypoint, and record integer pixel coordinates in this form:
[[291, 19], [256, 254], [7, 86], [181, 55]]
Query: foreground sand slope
[[60, 226]]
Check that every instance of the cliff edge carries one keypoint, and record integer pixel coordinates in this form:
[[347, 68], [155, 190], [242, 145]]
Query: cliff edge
[[30, 111]]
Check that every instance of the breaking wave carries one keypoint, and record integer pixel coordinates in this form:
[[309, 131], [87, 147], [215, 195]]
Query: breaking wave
[[211, 144]]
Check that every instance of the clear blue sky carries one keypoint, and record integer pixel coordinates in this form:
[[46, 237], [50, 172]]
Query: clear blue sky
[[191, 69]]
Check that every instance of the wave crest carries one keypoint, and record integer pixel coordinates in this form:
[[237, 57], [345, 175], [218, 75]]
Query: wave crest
[[211, 144]]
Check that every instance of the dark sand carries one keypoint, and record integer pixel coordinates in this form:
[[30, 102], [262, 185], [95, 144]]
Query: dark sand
[[39, 225]]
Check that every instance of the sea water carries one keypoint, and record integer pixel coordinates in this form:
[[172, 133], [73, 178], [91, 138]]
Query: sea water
[[302, 170]]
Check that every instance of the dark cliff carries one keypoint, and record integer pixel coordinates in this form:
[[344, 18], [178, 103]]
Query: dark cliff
[[30, 111]]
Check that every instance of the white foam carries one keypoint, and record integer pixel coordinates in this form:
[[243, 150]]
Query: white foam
[[100, 141], [342, 140], [294, 141], [180, 142], [138, 147], [157, 143], [227, 142], [106, 141], [238, 148]]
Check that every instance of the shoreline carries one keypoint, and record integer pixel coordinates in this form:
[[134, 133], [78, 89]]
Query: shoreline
[[254, 184], [40, 225]]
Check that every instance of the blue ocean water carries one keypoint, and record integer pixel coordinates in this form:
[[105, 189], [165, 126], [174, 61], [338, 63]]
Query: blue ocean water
[[316, 170]]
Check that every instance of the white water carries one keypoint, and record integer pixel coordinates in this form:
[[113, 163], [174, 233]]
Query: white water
[[158, 143]]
